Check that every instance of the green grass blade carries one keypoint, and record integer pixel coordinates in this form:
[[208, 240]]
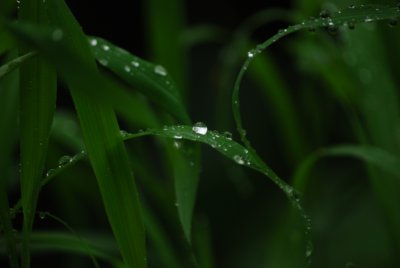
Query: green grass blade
[[8, 139], [164, 30], [100, 246], [67, 48], [150, 79], [38, 89], [14, 64], [374, 156]]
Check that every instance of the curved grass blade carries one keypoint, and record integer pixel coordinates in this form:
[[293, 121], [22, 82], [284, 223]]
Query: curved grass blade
[[369, 154], [100, 246], [66, 47], [230, 149], [15, 63], [150, 79], [351, 15]]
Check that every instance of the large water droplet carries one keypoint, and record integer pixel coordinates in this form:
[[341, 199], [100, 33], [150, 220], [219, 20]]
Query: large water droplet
[[158, 69], [57, 35], [200, 128], [238, 159], [64, 160]]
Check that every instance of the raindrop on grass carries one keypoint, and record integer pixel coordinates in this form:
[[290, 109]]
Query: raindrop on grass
[[352, 6], [106, 47], [238, 159], [228, 135], [135, 63], [200, 128], [50, 172], [324, 14], [64, 160], [124, 134], [57, 35], [103, 62], [42, 215], [158, 69], [127, 68], [368, 19], [351, 25], [178, 137], [93, 42]]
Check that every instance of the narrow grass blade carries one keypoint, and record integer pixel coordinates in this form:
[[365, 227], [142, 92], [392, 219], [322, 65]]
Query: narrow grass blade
[[8, 139], [374, 156], [15, 63], [150, 79], [66, 47], [38, 89], [100, 246], [164, 32]]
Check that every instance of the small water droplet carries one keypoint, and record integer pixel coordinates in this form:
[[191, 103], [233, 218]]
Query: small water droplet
[[309, 252], [127, 68], [228, 135], [200, 128], [124, 133], [64, 160], [351, 25], [18, 3], [393, 22], [103, 62], [333, 29], [158, 69], [50, 172], [93, 42], [57, 35], [176, 204], [178, 137], [250, 54], [177, 144], [352, 6], [106, 47], [324, 14], [238, 159], [368, 19], [42, 215], [135, 63]]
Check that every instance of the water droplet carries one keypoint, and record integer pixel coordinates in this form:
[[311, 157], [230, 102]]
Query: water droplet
[[158, 69], [124, 133], [308, 252], [135, 63], [238, 159], [42, 215], [176, 204], [351, 25], [333, 29], [64, 160], [177, 144], [93, 42], [18, 3], [368, 19], [393, 22], [106, 47], [228, 135], [324, 14], [352, 6], [250, 54], [200, 128], [127, 68], [103, 62], [178, 137], [57, 35], [50, 172]]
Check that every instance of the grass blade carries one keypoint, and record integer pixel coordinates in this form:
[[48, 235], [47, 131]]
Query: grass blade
[[38, 89], [8, 107], [15, 63], [150, 79]]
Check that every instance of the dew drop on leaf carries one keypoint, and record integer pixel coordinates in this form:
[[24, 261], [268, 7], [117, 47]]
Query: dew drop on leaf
[[238, 159], [57, 35], [135, 63], [64, 160], [106, 47], [158, 69], [42, 215], [93, 42], [200, 128], [127, 68], [324, 14]]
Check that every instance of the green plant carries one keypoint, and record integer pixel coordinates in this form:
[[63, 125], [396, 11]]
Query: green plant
[[52, 45]]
